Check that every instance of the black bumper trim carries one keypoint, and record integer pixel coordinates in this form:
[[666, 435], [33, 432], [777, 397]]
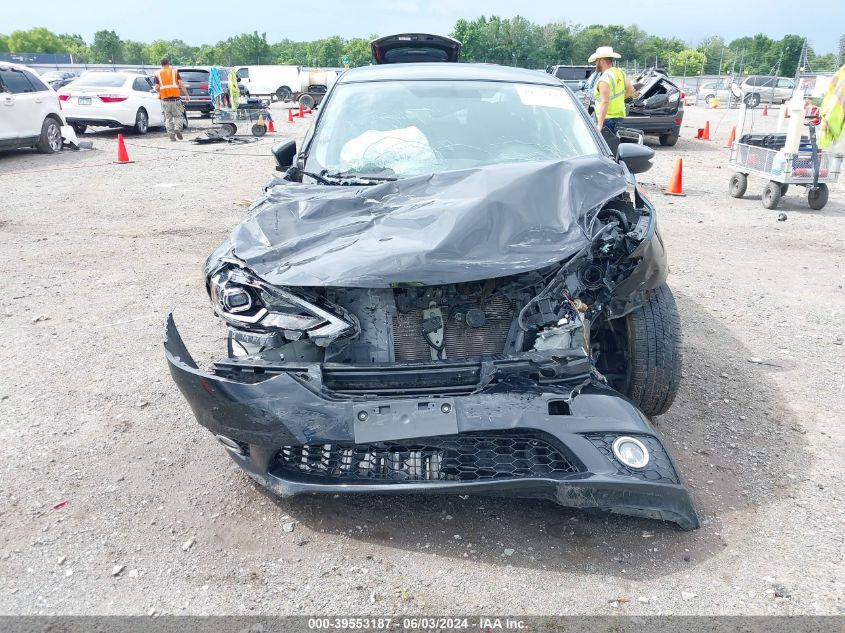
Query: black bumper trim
[[295, 410]]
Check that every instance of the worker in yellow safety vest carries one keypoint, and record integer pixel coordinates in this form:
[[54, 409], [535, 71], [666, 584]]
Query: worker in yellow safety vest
[[611, 88], [832, 111], [169, 87]]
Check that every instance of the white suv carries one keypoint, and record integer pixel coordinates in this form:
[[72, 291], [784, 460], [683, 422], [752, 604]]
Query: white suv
[[30, 114]]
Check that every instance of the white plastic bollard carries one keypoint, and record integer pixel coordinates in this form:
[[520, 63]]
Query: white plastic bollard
[[796, 123]]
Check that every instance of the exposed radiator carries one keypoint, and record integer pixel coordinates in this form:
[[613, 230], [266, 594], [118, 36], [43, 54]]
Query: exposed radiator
[[462, 340]]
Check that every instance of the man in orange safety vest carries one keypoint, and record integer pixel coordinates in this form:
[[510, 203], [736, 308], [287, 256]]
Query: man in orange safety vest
[[169, 87]]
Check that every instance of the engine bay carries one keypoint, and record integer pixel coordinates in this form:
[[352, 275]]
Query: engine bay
[[555, 307]]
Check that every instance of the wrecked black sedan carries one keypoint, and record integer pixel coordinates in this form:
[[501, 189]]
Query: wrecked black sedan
[[657, 110], [454, 288]]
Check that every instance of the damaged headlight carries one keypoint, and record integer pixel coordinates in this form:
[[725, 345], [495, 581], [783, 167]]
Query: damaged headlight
[[244, 301]]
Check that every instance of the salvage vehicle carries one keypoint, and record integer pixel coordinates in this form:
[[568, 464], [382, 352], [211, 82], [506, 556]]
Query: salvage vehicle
[[657, 110], [455, 287]]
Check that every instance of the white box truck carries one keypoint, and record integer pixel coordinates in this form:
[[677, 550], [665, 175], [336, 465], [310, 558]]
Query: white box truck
[[276, 81]]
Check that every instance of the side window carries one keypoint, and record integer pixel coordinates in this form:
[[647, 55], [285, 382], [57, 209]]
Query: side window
[[785, 83], [754, 81], [243, 73], [141, 84], [16, 82], [37, 84]]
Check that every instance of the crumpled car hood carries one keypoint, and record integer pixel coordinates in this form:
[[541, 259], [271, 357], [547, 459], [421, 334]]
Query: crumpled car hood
[[448, 227]]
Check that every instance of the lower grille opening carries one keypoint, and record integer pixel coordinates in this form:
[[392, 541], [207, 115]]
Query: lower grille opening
[[464, 457]]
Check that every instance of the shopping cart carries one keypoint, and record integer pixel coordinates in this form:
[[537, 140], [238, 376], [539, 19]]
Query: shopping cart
[[253, 118], [763, 156]]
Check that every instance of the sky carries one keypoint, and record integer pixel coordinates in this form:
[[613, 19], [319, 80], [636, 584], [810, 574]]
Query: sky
[[209, 21]]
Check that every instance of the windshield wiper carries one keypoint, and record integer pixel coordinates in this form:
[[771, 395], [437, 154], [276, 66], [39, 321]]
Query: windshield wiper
[[357, 177], [294, 173]]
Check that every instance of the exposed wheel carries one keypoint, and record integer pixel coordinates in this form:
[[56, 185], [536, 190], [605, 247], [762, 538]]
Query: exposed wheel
[[817, 198], [738, 185], [306, 101], [284, 93], [50, 140], [79, 128], [229, 129], [709, 98], [142, 121], [668, 140], [771, 195], [654, 353], [259, 130], [783, 189], [752, 100], [640, 355]]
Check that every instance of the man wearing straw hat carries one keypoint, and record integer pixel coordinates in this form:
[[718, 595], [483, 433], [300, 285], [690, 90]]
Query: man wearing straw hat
[[611, 89]]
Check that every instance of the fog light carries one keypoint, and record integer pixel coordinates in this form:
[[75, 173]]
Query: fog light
[[630, 451], [230, 445]]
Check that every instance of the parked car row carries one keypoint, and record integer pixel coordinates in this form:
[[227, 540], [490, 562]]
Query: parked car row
[[32, 113], [753, 90]]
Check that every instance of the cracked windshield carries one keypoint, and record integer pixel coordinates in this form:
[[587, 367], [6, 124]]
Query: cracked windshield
[[395, 130]]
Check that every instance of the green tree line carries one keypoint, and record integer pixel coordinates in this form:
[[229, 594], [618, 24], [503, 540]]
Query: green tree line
[[509, 41]]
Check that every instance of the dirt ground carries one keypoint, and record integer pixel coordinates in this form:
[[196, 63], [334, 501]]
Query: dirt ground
[[113, 500]]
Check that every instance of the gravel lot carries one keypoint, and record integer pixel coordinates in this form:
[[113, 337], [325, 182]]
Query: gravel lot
[[114, 501]]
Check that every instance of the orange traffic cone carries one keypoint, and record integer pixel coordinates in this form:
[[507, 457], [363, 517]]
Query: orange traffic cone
[[675, 186], [765, 109], [122, 154], [301, 110], [731, 138], [270, 126], [290, 115], [704, 132]]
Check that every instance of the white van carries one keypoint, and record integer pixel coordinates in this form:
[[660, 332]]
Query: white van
[[279, 81]]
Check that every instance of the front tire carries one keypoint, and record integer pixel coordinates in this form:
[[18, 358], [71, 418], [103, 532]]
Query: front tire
[[817, 198], [142, 121], [771, 195], [654, 353], [50, 140], [306, 101], [738, 185], [752, 100]]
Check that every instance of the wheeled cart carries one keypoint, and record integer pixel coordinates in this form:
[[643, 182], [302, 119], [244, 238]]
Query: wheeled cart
[[253, 118], [760, 156]]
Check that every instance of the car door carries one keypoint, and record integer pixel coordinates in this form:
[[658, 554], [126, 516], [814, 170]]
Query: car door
[[143, 91], [21, 106], [45, 98], [784, 89]]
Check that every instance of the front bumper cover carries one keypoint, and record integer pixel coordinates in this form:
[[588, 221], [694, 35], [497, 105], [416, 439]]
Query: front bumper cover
[[254, 420]]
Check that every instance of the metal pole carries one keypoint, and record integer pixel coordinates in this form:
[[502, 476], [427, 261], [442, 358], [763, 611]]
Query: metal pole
[[719, 75]]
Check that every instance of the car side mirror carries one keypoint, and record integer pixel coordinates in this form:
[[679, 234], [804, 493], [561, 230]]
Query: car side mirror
[[637, 158], [285, 153]]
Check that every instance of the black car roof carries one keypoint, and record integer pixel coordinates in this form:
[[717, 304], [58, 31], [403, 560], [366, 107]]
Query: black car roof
[[447, 72]]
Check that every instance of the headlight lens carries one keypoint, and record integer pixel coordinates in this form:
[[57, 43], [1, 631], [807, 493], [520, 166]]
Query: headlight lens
[[631, 452], [246, 302]]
